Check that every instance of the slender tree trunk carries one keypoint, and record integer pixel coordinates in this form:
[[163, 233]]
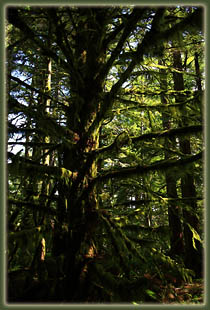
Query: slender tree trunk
[[198, 73], [176, 235], [193, 251]]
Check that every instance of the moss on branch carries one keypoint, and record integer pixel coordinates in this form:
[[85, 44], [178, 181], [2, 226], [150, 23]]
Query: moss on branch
[[159, 165], [26, 167], [169, 133]]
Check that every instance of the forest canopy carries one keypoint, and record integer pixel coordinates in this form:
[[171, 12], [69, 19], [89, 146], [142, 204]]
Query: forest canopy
[[104, 153]]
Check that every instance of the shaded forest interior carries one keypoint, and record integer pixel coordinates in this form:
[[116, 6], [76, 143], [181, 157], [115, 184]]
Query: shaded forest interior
[[105, 154]]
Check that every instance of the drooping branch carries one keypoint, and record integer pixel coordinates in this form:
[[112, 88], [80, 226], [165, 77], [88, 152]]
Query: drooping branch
[[15, 19], [43, 145], [152, 39], [32, 205], [63, 43], [47, 124], [25, 166], [15, 102], [20, 82]]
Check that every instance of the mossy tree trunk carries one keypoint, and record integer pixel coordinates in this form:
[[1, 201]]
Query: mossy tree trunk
[[174, 210], [193, 247], [85, 46], [81, 205]]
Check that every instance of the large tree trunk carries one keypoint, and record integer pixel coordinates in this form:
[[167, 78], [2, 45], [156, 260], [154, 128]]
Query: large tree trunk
[[81, 198], [83, 233]]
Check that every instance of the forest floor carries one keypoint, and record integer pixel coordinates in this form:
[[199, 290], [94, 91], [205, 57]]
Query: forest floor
[[187, 293]]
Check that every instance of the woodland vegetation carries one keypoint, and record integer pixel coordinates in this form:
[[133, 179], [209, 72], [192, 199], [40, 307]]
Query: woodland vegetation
[[105, 154]]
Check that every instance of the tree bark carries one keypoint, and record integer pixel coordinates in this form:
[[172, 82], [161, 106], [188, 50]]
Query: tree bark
[[176, 235], [81, 200], [193, 252]]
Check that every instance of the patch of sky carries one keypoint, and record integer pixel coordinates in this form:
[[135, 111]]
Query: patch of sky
[[14, 147]]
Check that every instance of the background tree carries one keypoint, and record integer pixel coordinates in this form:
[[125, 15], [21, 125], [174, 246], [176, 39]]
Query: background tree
[[97, 199]]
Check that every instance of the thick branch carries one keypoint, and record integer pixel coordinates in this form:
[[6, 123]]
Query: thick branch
[[119, 141], [160, 166], [138, 105], [169, 133], [169, 92], [130, 25], [146, 201]]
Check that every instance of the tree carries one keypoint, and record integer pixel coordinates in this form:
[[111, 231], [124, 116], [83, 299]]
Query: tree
[[84, 103], [192, 252], [177, 245]]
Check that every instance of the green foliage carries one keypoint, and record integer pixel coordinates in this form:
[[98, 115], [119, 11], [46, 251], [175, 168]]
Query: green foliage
[[151, 294], [105, 105], [195, 236]]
